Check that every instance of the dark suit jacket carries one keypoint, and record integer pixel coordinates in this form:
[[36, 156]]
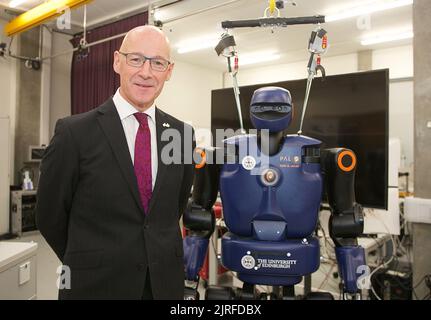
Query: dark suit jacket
[[89, 210]]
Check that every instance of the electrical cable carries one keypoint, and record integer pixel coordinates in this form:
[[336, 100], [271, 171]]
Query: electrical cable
[[326, 241], [384, 264], [327, 276]]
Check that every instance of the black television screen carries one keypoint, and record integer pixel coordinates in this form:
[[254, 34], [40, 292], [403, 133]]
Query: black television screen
[[349, 110]]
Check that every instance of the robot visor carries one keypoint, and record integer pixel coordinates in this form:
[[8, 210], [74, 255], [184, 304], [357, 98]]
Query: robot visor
[[271, 108]]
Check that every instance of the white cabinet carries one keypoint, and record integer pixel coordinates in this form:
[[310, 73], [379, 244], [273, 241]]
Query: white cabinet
[[18, 271]]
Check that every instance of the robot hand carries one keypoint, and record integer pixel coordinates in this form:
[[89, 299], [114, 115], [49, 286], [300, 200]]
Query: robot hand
[[200, 224]]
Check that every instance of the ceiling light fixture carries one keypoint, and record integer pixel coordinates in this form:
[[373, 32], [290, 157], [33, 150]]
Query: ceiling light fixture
[[383, 38], [258, 57], [197, 44], [369, 8]]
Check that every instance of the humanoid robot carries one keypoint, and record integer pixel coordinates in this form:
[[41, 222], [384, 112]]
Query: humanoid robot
[[271, 187]]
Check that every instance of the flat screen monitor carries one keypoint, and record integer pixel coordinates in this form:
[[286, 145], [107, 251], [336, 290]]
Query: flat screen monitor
[[348, 110]]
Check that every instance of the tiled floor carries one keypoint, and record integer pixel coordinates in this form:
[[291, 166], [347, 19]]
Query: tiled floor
[[47, 264]]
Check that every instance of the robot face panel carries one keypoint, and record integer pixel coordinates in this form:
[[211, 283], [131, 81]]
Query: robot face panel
[[271, 108]]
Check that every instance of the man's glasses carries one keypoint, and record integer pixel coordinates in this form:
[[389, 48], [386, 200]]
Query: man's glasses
[[137, 60]]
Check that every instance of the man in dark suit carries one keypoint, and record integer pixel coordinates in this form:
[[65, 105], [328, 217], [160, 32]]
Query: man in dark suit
[[109, 200]]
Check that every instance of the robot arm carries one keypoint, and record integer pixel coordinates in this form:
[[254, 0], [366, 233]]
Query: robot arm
[[347, 220], [199, 218]]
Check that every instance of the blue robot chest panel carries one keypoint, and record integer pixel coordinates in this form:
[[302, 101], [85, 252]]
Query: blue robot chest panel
[[285, 188]]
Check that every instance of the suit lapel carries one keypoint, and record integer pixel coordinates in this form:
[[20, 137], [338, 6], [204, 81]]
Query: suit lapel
[[110, 123], [161, 169]]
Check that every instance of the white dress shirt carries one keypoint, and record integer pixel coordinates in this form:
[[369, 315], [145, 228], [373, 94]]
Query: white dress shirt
[[131, 126]]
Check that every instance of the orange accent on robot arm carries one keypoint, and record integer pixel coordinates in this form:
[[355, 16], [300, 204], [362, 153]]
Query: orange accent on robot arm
[[340, 160]]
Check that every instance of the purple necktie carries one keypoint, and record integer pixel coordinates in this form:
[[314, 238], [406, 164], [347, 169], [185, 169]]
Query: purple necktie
[[143, 160]]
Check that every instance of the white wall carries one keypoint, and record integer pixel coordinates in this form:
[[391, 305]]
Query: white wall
[[187, 96], [8, 93], [60, 80], [401, 120], [4, 176], [292, 71], [6, 66], [399, 60], [45, 88], [8, 81]]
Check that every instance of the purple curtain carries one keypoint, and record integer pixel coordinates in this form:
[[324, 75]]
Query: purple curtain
[[93, 78]]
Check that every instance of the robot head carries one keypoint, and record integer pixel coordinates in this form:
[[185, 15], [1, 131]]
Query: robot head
[[271, 108]]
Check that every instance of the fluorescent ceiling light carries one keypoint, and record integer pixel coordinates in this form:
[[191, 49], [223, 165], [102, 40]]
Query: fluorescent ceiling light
[[257, 57], [369, 8], [197, 44], [16, 3], [387, 38]]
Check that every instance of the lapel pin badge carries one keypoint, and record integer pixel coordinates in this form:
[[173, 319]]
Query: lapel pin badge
[[166, 125]]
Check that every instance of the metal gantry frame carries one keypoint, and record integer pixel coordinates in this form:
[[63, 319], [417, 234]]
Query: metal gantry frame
[[83, 45], [35, 62]]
